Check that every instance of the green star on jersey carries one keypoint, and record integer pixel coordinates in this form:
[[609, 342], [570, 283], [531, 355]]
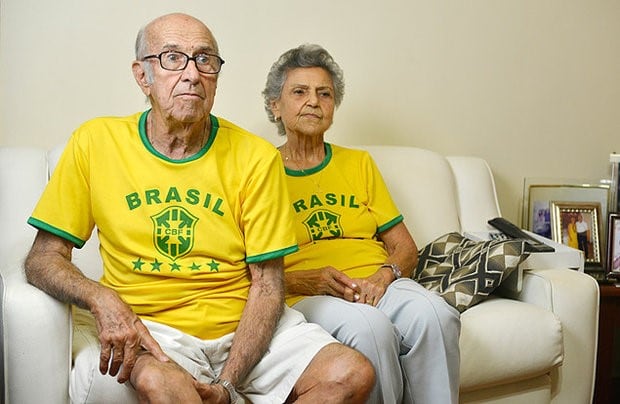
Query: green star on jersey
[[156, 266], [137, 264], [214, 266]]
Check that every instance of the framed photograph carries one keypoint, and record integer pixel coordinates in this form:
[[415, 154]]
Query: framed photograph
[[613, 243], [540, 193], [614, 201], [577, 225]]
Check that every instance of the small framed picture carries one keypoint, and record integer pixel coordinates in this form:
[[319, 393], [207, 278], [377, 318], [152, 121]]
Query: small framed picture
[[538, 195], [613, 244], [576, 224]]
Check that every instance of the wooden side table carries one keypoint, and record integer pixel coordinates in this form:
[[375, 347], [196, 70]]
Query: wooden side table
[[607, 386]]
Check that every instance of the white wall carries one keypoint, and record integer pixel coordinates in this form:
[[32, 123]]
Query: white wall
[[533, 86]]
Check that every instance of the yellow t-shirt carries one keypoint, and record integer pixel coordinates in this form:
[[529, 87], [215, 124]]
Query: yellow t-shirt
[[339, 209], [176, 235]]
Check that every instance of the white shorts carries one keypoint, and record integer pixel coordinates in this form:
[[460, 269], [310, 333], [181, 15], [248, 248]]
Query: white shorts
[[294, 345]]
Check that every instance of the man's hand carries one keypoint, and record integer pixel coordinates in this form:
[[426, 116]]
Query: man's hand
[[212, 393], [122, 336]]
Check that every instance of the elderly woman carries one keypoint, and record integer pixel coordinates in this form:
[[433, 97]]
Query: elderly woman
[[351, 273]]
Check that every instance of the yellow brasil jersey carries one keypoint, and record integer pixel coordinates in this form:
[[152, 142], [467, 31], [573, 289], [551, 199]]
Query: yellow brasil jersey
[[339, 208], [176, 235]]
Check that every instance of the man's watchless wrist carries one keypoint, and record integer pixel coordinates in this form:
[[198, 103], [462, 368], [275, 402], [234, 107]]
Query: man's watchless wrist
[[230, 388]]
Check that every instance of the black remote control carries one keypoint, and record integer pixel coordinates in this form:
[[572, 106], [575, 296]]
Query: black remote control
[[513, 231]]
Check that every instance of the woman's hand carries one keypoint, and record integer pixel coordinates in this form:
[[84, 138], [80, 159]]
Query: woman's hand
[[373, 287], [322, 281]]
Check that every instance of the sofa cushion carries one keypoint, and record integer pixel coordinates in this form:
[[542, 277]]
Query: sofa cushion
[[464, 271], [504, 341]]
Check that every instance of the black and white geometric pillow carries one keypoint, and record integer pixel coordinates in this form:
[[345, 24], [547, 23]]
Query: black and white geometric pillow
[[464, 271]]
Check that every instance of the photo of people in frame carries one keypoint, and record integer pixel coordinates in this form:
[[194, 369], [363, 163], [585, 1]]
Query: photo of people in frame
[[576, 226], [613, 255], [541, 220]]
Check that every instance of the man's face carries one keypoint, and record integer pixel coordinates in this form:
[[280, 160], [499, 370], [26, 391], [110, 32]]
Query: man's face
[[184, 96]]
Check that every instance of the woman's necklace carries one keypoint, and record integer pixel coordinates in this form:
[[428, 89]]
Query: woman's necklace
[[289, 157]]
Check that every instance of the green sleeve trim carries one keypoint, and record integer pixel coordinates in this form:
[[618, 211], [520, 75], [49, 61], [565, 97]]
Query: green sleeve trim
[[79, 243], [272, 255], [390, 224]]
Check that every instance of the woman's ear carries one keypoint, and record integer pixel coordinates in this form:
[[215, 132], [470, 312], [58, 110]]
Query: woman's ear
[[275, 110]]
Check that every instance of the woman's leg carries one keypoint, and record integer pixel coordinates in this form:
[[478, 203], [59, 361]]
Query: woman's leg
[[430, 330]]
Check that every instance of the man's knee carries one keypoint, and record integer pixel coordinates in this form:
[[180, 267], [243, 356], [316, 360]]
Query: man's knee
[[350, 370], [152, 378]]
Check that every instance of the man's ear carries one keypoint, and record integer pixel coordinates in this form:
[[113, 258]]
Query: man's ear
[[141, 77]]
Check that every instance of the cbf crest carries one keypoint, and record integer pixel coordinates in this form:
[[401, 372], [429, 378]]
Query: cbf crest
[[323, 224], [173, 231]]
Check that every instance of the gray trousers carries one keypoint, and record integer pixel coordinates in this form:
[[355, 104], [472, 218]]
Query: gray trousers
[[411, 338]]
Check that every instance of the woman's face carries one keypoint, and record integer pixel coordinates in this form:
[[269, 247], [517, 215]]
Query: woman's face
[[306, 105]]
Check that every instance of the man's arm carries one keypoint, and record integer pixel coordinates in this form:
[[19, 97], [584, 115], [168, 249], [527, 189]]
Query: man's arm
[[121, 333], [259, 319]]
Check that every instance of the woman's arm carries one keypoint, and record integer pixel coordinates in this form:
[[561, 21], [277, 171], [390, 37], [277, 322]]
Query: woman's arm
[[401, 249]]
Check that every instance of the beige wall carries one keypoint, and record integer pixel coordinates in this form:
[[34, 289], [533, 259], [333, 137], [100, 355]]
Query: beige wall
[[532, 86]]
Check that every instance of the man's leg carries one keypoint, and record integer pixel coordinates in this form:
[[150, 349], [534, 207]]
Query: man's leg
[[337, 374], [151, 380], [367, 330], [162, 382]]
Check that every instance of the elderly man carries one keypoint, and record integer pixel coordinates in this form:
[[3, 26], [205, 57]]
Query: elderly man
[[193, 226]]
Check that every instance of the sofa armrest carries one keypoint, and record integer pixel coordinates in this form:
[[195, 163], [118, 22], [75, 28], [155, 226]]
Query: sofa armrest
[[37, 341], [573, 297]]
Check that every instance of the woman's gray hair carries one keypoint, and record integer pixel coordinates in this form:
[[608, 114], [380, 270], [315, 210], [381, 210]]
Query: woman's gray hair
[[306, 55]]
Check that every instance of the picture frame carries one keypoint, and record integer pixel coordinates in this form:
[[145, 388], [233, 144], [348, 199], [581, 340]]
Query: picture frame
[[614, 201], [577, 225], [540, 193], [613, 243]]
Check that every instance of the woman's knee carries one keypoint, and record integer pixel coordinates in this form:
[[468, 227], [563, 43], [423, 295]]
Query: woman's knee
[[433, 314]]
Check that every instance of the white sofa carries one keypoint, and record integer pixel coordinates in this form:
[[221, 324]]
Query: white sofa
[[536, 343]]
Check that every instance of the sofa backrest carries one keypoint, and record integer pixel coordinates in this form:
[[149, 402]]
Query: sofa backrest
[[476, 190], [435, 194], [22, 179], [423, 186]]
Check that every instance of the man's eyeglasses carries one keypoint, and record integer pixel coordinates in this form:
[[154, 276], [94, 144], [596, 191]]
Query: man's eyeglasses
[[176, 61]]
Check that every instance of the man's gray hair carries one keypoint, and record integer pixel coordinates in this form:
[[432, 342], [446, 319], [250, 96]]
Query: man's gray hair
[[141, 50], [307, 55]]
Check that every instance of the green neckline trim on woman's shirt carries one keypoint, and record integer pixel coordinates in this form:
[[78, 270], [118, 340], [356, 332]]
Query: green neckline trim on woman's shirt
[[145, 140], [310, 171]]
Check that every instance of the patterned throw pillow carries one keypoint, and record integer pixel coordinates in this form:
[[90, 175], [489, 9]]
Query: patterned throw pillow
[[464, 271]]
